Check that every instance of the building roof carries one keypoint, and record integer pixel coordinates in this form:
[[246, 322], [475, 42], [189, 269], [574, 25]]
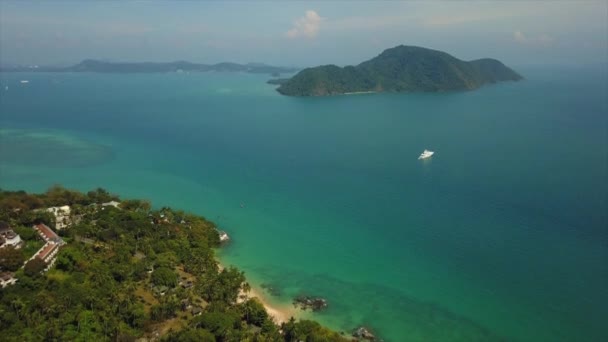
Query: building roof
[[46, 250], [48, 233], [6, 276]]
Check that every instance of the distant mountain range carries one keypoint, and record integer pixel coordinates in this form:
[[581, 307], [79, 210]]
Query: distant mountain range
[[399, 69], [91, 65]]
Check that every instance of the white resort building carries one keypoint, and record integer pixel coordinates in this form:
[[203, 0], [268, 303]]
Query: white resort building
[[6, 279], [111, 203], [49, 251], [62, 216], [8, 237]]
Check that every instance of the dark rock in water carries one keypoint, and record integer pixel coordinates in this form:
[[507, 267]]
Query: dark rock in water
[[364, 333], [308, 302]]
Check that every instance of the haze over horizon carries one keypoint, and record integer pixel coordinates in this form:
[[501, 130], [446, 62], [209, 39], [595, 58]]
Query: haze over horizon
[[301, 34]]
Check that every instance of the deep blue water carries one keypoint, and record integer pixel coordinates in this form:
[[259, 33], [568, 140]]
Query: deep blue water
[[503, 234]]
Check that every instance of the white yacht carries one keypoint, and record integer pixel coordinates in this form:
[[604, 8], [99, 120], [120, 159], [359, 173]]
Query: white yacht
[[426, 154], [25, 81]]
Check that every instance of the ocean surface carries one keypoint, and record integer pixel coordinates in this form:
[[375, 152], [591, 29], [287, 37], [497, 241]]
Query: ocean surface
[[501, 235]]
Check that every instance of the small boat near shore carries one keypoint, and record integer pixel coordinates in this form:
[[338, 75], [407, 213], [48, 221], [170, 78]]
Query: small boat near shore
[[426, 154]]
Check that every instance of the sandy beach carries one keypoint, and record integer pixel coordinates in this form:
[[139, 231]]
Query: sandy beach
[[280, 314]]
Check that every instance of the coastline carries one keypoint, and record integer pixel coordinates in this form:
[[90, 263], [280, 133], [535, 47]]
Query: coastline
[[280, 314], [360, 92]]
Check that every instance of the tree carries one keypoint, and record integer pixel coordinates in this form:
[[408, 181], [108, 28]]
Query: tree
[[219, 323], [164, 276], [191, 335], [135, 205], [99, 195], [26, 233], [306, 330], [254, 312], [223, 287], [11, 259], [165, 309], [70, 258], [34, 267]]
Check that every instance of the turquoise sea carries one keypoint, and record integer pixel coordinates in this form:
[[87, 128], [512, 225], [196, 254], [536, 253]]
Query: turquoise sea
[[501, 235]]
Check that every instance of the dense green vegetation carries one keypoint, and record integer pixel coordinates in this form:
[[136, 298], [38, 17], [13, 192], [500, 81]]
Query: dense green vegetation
[[11, 258], [122, 275], [399, 69]]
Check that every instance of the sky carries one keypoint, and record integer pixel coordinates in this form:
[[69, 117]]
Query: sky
[[301, 33]]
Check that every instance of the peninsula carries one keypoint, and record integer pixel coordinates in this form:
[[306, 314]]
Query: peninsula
[[92, 267], [399, 69]]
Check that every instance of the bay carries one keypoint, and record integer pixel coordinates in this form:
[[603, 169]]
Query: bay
[[501, 235]]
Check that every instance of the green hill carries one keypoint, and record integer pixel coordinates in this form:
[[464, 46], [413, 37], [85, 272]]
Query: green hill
[[399, 69]]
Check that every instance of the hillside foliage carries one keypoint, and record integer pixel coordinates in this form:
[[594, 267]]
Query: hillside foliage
[[121, 277], [399, 69]]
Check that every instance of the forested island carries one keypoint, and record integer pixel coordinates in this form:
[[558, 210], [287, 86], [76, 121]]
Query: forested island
[[399, 69], [92, 65], [92, 267]]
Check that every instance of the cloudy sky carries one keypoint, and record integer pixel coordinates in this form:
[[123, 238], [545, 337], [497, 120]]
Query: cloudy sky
[[302, 33]]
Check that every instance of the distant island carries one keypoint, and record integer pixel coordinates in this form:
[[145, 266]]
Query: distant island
[[92, 65], [399, 69]]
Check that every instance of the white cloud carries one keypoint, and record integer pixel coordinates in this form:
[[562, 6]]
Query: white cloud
[[540, 40], [306, 26]]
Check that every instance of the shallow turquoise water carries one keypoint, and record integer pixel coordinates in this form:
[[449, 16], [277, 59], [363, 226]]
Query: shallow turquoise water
[[501, 235]]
